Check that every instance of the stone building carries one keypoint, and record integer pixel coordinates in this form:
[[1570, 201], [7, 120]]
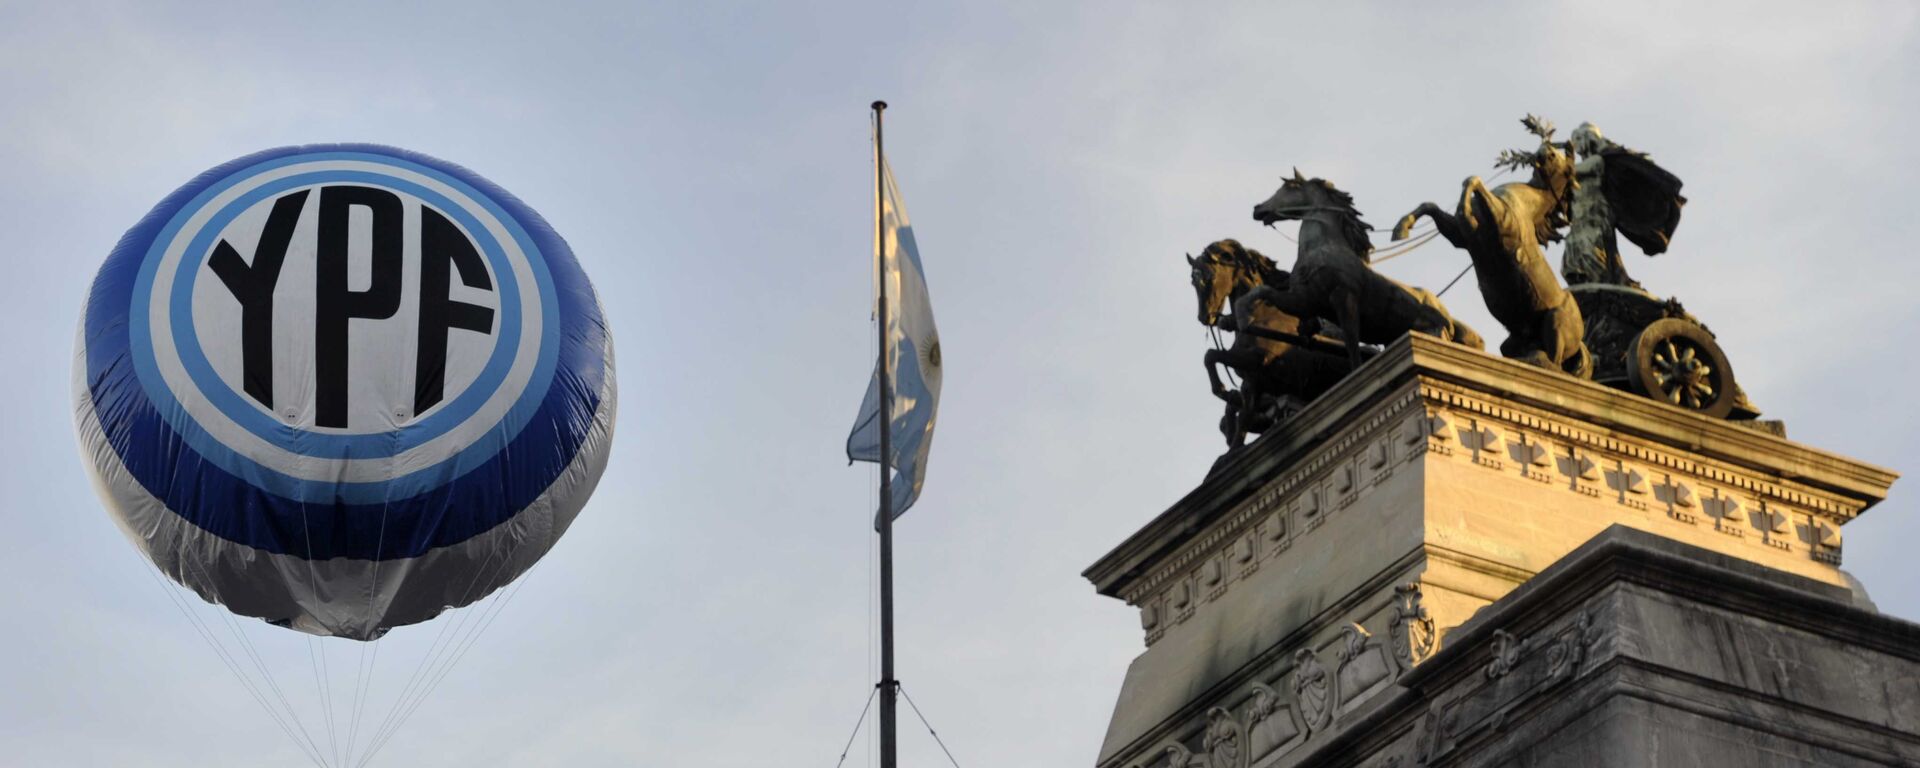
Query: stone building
[[1456, 559]]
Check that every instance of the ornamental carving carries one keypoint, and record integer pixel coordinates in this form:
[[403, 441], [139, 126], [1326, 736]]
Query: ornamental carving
[[1506, 653], [1271, 723], [1180, 757], [1726, 512], [1436, 733], [1565, 655], [1312, 690], [1362, 667], [1411, 629], [1224, 742]]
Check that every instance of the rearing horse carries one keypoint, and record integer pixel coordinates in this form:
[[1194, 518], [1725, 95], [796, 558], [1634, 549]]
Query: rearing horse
[[1501, 230], [1331, 277]]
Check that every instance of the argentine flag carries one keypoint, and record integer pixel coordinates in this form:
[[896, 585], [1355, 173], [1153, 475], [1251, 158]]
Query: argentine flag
[[915, 348]]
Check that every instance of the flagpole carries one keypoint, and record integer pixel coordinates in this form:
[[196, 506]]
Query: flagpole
[[889, 687]]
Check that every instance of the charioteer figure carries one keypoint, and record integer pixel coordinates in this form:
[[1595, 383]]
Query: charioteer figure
[[1617, 191], [1641, 342]]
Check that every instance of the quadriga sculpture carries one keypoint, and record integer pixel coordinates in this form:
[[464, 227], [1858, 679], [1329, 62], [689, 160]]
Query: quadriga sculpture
[[1331, 277], [1502, 229]]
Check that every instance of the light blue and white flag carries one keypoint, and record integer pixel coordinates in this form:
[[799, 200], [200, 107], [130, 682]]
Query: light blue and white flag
[[915, 358]]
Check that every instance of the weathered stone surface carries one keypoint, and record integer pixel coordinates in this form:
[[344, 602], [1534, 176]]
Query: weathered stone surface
[[1288, 601], [1633, 651], [1637, 650]]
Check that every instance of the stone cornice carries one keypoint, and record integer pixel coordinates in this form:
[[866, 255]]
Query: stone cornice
[[1604, 406], [1623, 554], [1416, 369]]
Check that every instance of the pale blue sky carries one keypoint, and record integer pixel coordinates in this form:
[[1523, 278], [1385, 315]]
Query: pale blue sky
[[709, 164]]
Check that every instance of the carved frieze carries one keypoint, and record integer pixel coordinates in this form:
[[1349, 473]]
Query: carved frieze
[[1589, 464], [1727, 513], [1678, 498], [1483, 442], [1517, 669], [1774, 526], [1628, 484], [1178, 756], [1312, 690], [1410, 630], [1581, 472], [1566, 653], [1532, 457], [1243, 554], [1273, 724], [1436, 733], [1822, 538], [1363, 667], [1506, 653], [1225, 742]]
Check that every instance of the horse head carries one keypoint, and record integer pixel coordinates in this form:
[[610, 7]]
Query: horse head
[[1551, 162], [1300, 196], [1213, 282], [1295, 196], [1224, 270]]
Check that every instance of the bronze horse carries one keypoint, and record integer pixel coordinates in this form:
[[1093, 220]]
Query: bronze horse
[[1502, 230], [1274, 358], [1331, 277]]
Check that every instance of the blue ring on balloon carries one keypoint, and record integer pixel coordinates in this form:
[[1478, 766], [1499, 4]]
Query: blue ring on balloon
[[313, 443], [369, 520]]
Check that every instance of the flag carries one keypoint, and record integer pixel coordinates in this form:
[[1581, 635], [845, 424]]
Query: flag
[[915, 358]]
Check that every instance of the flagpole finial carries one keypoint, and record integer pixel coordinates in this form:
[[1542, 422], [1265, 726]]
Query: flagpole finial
[[879, 105]]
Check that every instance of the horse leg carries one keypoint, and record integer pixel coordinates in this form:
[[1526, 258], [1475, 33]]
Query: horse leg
[[1415, 309], [1233, 422], [1214, 358], [1466, 201], [1230, 423], [1580, 363], [1448, 226], [1473, 189], [1451, 329], [1561, 333], [1243, 413], [1464, 334], [1429, 210], [1525, 347], [1349, 308]]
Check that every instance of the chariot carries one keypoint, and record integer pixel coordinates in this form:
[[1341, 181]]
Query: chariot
[[1651, 346]]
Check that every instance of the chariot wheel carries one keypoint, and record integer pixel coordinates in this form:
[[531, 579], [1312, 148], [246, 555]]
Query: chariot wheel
[[1679, 363]]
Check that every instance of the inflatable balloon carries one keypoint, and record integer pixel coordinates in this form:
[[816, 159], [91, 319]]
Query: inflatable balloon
[[343, 388]]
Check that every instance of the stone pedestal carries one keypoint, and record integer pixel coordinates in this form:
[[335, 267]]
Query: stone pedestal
[[1323, 598]]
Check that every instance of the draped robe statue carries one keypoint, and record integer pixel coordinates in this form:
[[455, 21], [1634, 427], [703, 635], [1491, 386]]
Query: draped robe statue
[[1617, 191]]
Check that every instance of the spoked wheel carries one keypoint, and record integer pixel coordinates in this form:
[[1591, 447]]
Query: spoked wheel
[[1679, 363]]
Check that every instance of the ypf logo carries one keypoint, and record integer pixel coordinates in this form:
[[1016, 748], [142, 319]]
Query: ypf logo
[[325, 219], [344, 316]]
